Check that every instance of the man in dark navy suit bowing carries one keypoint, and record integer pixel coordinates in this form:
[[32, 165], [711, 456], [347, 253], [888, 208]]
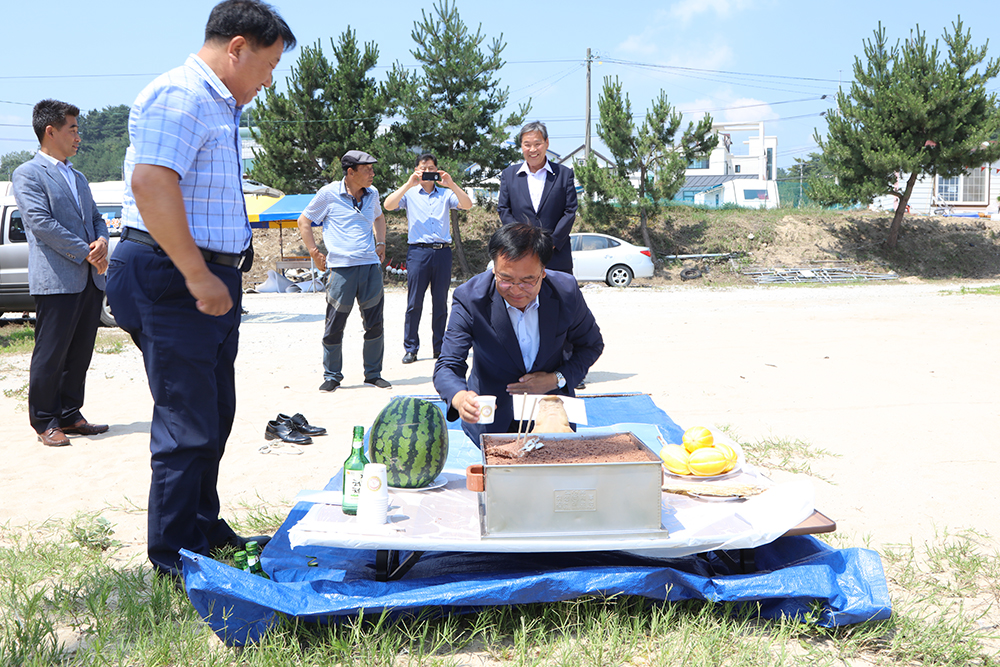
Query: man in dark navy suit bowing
[[540, 193], [530, 332]]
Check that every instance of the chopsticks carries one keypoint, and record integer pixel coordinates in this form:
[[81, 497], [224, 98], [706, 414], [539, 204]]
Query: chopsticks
[[522, 422]]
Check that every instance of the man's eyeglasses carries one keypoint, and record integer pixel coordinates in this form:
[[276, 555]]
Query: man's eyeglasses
[[523, 285]]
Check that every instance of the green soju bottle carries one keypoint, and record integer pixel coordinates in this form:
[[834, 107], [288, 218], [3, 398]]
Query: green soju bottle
[[240, 561], [353, 467], [253, 560]]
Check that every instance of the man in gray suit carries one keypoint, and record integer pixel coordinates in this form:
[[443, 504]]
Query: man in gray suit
[[67, 258]]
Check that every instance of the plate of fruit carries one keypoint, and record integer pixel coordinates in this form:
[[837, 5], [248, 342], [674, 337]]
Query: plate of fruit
[[702, 456]]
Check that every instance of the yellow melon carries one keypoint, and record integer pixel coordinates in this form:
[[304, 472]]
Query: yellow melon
[[675, 459], [727, 450], [707, 461], [697, 437]]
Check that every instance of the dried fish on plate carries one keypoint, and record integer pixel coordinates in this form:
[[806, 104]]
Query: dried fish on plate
[[715, 490]]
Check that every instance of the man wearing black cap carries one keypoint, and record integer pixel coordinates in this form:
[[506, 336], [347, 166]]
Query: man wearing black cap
[[354, 234]]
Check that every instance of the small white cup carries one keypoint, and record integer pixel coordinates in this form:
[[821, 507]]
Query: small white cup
[[487, 406], [373, 501], [373, 480]]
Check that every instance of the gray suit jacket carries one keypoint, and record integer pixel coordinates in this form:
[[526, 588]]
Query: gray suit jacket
[[59, 232]]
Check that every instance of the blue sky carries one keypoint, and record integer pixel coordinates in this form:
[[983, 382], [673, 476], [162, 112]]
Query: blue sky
[[740, 60]]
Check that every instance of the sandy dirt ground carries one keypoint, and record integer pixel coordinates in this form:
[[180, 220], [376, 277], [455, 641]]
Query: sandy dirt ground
[[897, 381]]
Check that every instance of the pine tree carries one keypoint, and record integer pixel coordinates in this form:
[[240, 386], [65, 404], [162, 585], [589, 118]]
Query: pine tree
[[454, 107], [327, 110], [911, 110], [652, 150], [104, 135], [11, 161]]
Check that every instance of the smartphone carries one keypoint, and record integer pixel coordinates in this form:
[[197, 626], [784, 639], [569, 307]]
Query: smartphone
[[431, 176]]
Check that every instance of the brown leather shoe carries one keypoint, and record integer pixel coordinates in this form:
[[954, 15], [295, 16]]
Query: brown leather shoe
[[53, 438], [84, 427]]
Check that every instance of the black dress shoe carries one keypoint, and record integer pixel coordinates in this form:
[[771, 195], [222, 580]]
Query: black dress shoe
[[409, 357], [378, 382], [329, 385], [276, 430], [299, 423]]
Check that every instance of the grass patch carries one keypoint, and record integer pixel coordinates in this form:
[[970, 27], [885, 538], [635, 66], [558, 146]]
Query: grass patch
[[111, 341], [992, 290], [65, 602], [18, 393], [20, 339], [92, 531], [16, 339], [794, 456]]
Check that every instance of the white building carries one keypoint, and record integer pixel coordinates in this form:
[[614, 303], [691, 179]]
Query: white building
[[970, 194], [577, 157], [725, 177]]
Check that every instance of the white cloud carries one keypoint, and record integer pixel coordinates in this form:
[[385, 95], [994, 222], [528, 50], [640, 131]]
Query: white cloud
[[746, 109], [697, 107], [725, 107], [686, 10], [643, 44], [714, 57]]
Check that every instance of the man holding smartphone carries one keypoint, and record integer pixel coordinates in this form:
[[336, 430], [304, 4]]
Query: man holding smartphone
[[428, 259]]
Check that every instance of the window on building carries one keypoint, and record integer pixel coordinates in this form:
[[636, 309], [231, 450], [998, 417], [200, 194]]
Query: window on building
[[770, 164], [698, 163], [968, 188], [754, 194], [737, 168]]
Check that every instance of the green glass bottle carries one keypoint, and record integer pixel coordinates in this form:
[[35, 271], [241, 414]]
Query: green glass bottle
[[353, 467], [240, 561], [253, 557], [253, 560]]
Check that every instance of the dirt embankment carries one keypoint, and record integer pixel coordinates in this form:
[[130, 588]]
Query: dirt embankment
[[929, 247]]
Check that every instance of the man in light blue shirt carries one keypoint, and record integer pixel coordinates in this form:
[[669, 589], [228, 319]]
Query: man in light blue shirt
[[428, 258], [354, 235], [175, 280]]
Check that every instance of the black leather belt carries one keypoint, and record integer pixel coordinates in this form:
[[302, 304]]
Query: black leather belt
[[436, 246], [243, 261]]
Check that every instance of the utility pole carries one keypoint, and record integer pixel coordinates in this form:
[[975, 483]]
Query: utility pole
[[800, 186], [586, 131]]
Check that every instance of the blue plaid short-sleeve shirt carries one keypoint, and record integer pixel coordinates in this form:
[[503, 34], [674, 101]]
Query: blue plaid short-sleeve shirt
[[188, 121]]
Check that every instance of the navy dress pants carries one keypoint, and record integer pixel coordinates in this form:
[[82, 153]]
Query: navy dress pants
[[65, 330], [426, 267], [189, 358]]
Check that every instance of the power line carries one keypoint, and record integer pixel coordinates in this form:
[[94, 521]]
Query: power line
[[722, 79], [716, 71], [758, 104]]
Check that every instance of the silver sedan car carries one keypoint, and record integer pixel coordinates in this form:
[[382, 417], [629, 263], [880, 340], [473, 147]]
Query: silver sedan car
[[609, 259]]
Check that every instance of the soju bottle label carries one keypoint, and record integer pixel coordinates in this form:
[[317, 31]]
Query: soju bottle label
[[352, 488]]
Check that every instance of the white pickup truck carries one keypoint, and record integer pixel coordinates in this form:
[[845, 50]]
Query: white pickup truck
[[14, 296]]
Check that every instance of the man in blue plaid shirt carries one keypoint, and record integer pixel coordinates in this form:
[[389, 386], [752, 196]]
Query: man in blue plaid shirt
[[174, 282]]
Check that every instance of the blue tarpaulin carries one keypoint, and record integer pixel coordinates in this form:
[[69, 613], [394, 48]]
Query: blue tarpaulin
[[324, 584]]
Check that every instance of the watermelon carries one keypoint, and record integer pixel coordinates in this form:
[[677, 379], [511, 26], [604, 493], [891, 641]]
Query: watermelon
[[411, 438]]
